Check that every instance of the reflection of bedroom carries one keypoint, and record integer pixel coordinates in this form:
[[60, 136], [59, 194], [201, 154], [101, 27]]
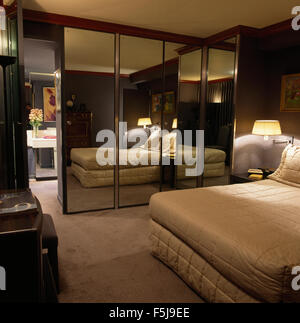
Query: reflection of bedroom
[[148, 154], [40, 93], [90, 94]]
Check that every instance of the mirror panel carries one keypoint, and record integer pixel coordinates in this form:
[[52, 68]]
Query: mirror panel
[[220, 112], [171, 98], [188, 114], [89, 84], [141, 89]]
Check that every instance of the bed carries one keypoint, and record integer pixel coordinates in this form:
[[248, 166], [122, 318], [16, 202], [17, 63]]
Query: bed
[[235, 243], [91, 174]]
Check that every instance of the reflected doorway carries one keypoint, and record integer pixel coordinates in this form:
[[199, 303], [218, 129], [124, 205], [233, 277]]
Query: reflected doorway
[[41, 105]]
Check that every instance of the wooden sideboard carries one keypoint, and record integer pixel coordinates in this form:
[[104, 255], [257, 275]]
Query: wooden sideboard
[[78, 131]]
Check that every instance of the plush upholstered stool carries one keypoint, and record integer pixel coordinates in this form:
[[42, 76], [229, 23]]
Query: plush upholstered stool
[[50, 242]]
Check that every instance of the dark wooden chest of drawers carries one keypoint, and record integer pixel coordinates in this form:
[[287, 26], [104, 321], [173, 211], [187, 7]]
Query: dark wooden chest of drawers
[[21, 277], [78, 131]]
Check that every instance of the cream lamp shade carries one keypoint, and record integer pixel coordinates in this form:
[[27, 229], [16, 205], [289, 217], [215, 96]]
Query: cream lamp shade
[[174, 124], [144, 122], [266, 128]]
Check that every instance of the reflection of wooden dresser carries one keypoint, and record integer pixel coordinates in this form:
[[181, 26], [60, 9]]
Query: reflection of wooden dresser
[[78, 131]]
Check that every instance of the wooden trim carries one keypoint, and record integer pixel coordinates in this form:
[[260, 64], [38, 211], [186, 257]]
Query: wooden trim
[[193, 43], [221, 80], [221, 45], [224, 46], [189, 82], [95, 73], [232, 32], [158, 67], [11, 10], [187, 49], [209, 82], [96, 25], [276, 28]]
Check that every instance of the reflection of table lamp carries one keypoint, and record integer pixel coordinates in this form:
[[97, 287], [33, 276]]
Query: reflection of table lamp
[[266, 128], [144, 122], [175, 123]]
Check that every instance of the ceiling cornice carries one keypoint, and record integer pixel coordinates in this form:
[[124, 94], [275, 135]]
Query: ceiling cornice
[[75, 22], [229, 33], [190, 41], [276, 28], [11, 10]]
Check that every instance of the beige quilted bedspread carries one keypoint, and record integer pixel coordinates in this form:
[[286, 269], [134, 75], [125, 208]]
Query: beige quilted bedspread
[[250, 232], [86, 157]]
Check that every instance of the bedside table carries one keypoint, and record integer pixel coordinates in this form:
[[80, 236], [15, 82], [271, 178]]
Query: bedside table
[[172, 168], [242, 178]]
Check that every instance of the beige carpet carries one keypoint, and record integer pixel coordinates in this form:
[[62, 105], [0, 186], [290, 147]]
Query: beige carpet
[[83, 199], [105, 256]]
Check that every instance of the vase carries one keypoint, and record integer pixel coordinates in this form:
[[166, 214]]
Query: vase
[[35, 131]]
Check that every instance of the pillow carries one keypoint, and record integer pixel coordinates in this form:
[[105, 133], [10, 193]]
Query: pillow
[[288, 171], [153, 141], [169, 142], [154, 128], [134, 136]]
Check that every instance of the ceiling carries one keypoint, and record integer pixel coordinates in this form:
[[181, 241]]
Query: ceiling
[[94, 52], [8, 2], [200, 18]]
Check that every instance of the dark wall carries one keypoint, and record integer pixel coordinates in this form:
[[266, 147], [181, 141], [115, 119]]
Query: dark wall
[[136, 104], [250, 105], [280, 63], [155, 87], [189, 92], [97, 93], [141, 105], [258, 97]]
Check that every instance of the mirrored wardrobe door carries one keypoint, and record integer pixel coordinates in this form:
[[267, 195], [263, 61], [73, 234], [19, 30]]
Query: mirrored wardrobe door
[[188, 114], [89, 117], [220, 112], [141, 88], [169, 115]]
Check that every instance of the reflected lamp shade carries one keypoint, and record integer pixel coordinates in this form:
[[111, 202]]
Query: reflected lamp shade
[[144, 122], [266, 128], [175, 123]]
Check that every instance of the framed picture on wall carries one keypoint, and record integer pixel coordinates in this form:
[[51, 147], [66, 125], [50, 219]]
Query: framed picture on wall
[[290, 93], [156, 102], [169, 104], [49, 94]]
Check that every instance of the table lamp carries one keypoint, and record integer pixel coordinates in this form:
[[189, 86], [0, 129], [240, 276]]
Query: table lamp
[[266, 128], [144, 122], [175, 123]]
